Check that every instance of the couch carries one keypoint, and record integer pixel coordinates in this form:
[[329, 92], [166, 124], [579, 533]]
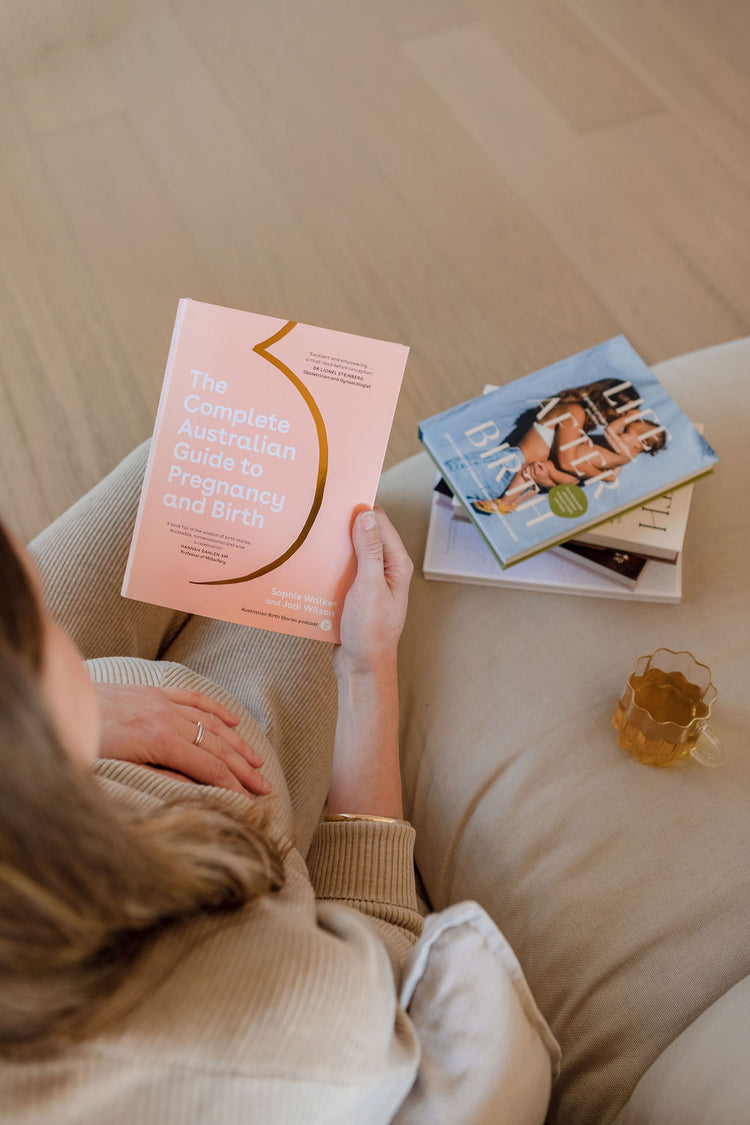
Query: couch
[[624, 890]]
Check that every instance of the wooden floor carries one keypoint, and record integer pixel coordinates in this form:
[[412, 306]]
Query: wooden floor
[[497, 183]]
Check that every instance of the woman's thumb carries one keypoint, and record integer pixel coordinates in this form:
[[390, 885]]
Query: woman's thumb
[[368, 542]]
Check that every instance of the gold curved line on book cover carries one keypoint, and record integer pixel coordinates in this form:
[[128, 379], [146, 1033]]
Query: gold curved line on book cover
[[262, 350]]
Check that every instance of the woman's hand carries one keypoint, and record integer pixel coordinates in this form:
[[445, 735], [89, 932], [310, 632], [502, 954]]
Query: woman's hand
[[375, 605], [157, 727], [365, 775]]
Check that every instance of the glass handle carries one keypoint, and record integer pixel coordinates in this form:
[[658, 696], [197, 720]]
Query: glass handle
[[709, 750]]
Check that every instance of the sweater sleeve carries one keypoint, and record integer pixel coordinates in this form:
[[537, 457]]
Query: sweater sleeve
[[369, 865]]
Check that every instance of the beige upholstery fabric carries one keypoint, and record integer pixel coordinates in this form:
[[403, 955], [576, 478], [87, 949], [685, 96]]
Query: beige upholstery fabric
[[623, 890], [702, 1078]]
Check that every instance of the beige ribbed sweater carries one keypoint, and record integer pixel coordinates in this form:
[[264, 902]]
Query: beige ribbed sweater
[[285, 1012]]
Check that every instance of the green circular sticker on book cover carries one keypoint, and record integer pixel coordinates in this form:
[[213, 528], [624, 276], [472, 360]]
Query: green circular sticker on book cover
[[568, 501]]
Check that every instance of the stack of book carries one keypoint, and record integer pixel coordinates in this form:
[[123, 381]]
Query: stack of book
[[574, 479]]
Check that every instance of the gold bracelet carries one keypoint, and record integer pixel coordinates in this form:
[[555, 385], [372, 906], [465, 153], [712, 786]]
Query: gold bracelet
[[365, 816]]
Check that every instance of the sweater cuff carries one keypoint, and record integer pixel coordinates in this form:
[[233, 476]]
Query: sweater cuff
[[364, 861]]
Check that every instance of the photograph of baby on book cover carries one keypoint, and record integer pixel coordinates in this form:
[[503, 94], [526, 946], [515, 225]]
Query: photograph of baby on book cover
[[598, 421]]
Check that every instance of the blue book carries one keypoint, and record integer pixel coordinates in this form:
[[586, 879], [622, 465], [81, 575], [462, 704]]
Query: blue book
[[538, 461]]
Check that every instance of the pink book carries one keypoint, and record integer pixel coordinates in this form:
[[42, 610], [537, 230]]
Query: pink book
[[269, 438]]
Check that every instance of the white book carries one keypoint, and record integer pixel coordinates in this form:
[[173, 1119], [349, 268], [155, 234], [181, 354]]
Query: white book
[[456, 552]]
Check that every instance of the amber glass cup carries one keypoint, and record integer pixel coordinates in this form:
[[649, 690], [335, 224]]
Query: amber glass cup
[[662, 715]]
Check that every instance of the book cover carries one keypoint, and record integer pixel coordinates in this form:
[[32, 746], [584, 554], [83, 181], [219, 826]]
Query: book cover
[[269, 437], [456, 552], [654, 530], [556, 452]]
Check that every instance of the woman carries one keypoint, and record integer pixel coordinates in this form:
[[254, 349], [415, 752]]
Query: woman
[[166, 953], [552, 443]]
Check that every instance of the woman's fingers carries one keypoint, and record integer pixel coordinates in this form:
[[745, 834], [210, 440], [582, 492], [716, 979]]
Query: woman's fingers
[[225, 745], [214, 762], [212, 724], [397, 564], [379, 549], [375, 604], [223, 758], [201, 702], [368, 544], [197, 764]]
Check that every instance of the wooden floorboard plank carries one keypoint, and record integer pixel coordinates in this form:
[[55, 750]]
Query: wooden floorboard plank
[[692, 197], [66, 86], [217, 180], [417, 17], [583, 208], [726, 24], [531, 292], [135, 246], [691, 75], [589, 83], [74, 389]]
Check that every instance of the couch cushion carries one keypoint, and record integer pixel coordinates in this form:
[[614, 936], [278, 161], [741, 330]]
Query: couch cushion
[[702, 1076], [623, 889]]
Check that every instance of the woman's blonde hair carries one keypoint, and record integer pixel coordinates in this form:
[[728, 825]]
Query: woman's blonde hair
[[84, 888]]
